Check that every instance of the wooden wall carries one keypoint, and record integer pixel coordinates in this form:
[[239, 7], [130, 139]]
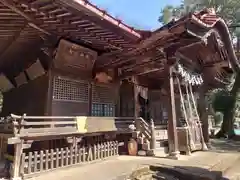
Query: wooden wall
[[126, 100], [30, 98], [158, 107], [80, 96]]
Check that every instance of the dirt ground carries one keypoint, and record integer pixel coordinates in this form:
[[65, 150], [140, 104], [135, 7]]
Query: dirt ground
[[221, 162]]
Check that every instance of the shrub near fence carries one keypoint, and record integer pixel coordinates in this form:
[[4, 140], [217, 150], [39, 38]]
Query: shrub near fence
[[37, 162]]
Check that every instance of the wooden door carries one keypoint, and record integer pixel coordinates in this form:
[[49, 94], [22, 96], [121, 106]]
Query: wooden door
[[126, 100]]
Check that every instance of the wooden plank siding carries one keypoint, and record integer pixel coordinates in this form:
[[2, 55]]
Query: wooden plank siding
[[30, 98]]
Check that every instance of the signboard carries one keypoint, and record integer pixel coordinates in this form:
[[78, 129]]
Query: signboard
[[95, 124]]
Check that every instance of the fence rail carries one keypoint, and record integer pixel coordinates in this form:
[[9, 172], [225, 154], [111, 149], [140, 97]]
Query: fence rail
[[36, 162], [59, 125]]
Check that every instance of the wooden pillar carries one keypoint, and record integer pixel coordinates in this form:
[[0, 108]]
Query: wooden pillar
[[203, 114], [172, 120], [118, 99], [136, 104]]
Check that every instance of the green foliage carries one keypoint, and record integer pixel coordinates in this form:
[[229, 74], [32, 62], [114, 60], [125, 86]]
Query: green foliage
[[229, 10], [167, 14]]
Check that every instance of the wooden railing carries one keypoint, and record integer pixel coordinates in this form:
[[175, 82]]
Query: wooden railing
[[41, 161], [59, 125], [147, 134], [38, 162], [26, 129]]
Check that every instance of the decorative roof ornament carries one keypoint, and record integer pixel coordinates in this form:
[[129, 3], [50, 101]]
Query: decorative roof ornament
[[191, 78]]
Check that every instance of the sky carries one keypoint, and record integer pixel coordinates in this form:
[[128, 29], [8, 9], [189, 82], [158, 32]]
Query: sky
[[141, 14]]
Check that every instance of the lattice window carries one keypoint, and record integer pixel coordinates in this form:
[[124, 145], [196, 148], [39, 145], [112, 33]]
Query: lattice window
[[70, 90], [99, 109]]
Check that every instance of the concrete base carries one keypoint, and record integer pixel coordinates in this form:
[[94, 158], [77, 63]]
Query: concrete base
[[204, 147], [151, 152], [142, 153], [209, 146]]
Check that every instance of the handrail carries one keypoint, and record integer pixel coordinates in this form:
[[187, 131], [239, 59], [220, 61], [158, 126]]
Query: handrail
[[61, 117], [145, 128], [148, 130], [42, 117], [58, 125], [143, 121]]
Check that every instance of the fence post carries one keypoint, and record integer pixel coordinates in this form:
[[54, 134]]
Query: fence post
[[17, 161], [153, 136]]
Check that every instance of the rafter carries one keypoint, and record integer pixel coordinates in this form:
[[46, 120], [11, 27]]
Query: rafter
[[11, 41], [31, 21]]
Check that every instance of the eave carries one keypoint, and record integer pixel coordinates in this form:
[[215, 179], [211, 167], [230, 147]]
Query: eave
[[33, 24], [187, 36]]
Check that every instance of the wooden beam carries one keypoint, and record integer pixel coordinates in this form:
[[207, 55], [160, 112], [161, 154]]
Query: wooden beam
[[12, 40], [193, 64], [142, 69], [31, 21], [103, 63], [218, 64], [149, 62], [136, 103]]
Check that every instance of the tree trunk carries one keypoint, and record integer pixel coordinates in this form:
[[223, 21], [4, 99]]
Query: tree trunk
[[203, 113], [228, 118]]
